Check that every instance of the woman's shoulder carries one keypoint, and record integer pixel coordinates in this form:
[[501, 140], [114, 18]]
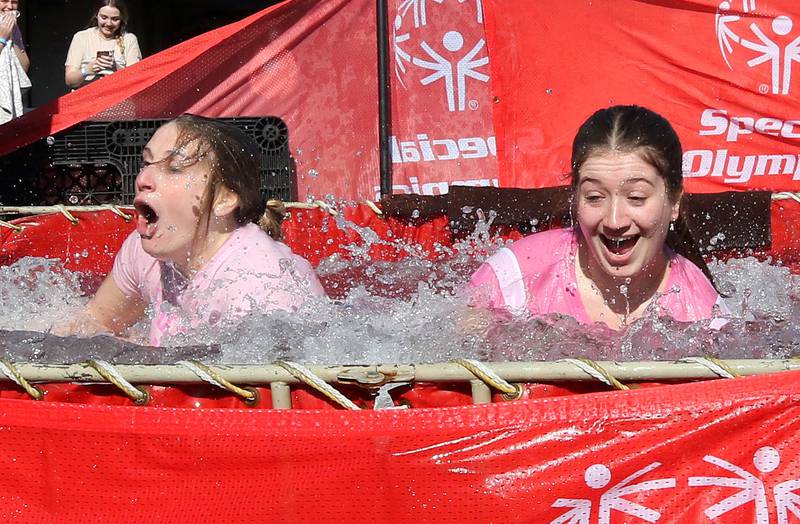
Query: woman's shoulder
[[689, 294], [129, 38], [84, 33], [684, 271], [252, 248], [552, 244]]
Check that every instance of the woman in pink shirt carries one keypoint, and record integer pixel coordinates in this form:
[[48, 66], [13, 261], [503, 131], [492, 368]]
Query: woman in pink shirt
[[198, 259], [630, 250]]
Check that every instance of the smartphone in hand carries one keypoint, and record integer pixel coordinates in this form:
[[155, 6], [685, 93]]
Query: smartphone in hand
[[107, 56]]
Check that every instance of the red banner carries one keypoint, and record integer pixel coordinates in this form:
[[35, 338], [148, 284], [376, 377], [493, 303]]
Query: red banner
[[314, 64], [726, 75], [723, 451], [441, 96]]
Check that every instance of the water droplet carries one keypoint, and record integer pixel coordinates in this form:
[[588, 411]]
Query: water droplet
[[51, 140], [313, 173]]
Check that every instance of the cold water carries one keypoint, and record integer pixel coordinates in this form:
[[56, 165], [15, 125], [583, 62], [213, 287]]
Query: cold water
[[414, 311]]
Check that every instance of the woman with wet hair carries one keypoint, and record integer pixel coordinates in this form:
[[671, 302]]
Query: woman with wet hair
[[630, 250], [206, 249], [102, 48]]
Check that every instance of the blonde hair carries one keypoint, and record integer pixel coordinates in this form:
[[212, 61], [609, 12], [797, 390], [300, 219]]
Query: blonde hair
[[271, 220], [121, 43]]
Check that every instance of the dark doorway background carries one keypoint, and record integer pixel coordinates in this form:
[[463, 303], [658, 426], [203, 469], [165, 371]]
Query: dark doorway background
[[48, 26]]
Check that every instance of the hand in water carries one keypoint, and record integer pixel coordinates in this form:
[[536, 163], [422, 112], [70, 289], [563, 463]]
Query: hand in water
[[474, 321], [82, 325]]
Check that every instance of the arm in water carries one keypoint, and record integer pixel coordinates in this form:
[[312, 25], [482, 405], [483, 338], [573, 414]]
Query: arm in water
[[109, 311]]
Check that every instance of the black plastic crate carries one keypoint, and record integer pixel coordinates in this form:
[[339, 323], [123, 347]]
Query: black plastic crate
[[97, 162]]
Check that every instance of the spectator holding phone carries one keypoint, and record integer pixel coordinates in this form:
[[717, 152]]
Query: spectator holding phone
[[103, 48]]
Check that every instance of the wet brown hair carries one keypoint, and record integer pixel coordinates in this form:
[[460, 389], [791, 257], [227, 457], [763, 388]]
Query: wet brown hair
[[234, 162], [635, 129]]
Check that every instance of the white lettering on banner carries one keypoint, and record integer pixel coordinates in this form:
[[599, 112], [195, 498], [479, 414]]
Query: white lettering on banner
[[434, 188], [738, 169], [423, 149], [751, 488], [716, 122]]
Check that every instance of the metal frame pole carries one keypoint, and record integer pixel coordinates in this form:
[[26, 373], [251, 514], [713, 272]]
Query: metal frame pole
[[384, 98]]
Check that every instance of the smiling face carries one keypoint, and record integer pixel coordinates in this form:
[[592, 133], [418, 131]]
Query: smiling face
[[8, 5], [623, 211], [109, 21], [171, 196]]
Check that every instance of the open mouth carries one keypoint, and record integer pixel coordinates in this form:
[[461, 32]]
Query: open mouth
[[147, 222], [619, 245]]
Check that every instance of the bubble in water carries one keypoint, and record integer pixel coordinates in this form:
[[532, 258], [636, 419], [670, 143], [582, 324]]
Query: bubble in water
[[51, 140], [313, 173]]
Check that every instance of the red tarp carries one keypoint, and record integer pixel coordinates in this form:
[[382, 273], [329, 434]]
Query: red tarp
[[314, 64], [724, 73], [90, 245], [719, 451]]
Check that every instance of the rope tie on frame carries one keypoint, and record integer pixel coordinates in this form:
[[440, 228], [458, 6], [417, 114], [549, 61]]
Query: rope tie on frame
[[117, 211], [13, 227], [64, 211], [786, 195], [12, 373], [490, 378], [596, 371], [207, 374], [110, 374], [720, 367], [306, 376]]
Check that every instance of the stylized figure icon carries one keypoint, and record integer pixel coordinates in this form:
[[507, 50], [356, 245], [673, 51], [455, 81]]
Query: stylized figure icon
[[478, 8], [751, 488], [725, 34], [443, 68], [598, 476], [781, 60], [770, 51], [418, 7], [401, 57], [791, 54]]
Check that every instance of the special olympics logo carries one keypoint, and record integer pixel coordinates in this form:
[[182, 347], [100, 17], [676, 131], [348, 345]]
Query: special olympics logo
[[444, 56], [764, 42]]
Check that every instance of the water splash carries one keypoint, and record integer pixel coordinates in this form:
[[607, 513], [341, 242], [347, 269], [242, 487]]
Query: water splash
[[413, 311]]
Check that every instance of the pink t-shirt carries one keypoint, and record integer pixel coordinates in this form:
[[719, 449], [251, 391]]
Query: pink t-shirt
[[250, 273], [537, 274]]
